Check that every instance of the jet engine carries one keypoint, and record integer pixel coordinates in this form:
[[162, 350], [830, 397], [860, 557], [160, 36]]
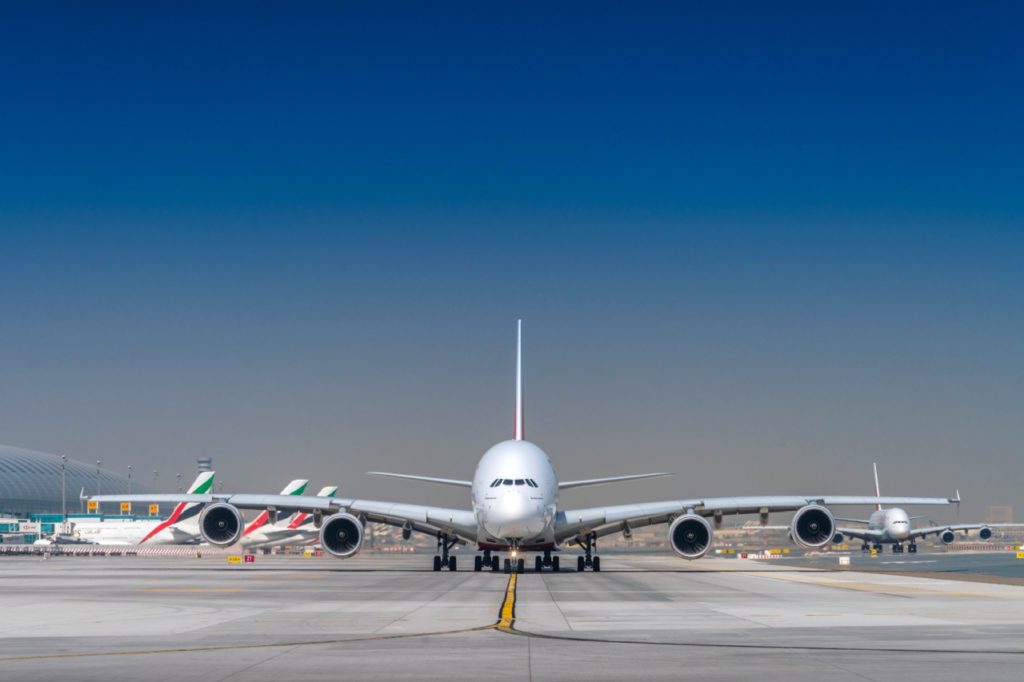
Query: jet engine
[[690, 536], [813, 527], [947, 536], [984, 532], [221, 524], [341, 535]]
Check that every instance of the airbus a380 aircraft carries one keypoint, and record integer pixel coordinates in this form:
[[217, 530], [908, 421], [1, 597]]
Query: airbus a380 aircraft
[[514, 509], [893, 527]]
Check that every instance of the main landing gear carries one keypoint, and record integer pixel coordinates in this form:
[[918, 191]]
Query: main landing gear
[[590, 560], [444, 545], [486, 562], [547, 560], [912, 548]]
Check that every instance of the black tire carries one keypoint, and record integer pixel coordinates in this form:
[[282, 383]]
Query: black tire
[[437, 563], [451, 563], [597, 564], [508, 565], [478, 563], [554, 564], [521, 566], [538, 565], [581, 564], [495, 564]]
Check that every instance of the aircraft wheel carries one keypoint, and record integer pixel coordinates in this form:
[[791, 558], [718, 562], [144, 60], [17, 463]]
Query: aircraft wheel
[[521, 566], [508, 565], [494, 564], [437, 563], [538, 565], [581, 564], [912, 549], [554, 564], [451, 564], [597, 564], [478, 563]]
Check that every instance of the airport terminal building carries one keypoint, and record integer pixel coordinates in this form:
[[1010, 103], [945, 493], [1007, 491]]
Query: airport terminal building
[[30, 483]]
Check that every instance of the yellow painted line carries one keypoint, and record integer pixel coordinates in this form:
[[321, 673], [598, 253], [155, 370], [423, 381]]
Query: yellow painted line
[[508, 607]]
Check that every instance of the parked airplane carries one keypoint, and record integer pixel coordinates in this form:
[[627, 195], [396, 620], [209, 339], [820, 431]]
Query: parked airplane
[[258, 530], [514, 508], [180, 528], [893, 527], [299, 529]]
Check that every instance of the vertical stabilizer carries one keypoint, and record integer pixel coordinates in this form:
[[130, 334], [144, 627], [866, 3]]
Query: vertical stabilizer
[[878, 491], [519, 382]]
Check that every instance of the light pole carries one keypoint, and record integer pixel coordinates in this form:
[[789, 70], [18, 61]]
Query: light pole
[[98, 465], [129, 479], [178, 476], [63, 490], [155, 476]]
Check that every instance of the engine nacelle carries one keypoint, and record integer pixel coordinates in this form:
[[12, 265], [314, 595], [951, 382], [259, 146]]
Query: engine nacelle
[[341, 535], [947, 536], [813, 527], [984, 533], [838, 538], [690, 536], [221, 524]]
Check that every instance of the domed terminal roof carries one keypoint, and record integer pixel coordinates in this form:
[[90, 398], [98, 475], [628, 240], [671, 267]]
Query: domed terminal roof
[[30, 482]]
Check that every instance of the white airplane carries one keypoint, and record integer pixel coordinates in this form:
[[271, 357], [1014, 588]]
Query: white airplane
[[298, 529], [263, 528], [514, 508], [893, 527], [180, 528]]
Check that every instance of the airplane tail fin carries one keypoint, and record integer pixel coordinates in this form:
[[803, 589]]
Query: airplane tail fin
[[519, 435], [185, 510], [296, 487], [878, 491]]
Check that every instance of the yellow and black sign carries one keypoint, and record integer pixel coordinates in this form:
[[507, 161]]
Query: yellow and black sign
[[1020, 555], [126, 507], [154, 509], [93, 506], [234, 559]]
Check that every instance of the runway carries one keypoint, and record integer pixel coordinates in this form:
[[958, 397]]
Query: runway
[[385, 617]]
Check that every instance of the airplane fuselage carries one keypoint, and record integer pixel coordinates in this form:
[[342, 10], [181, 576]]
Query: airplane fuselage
[[893, 524], [515, 497]]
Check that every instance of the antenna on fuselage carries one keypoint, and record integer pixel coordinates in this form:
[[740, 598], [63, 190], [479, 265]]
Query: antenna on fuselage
[[878, 491], [519, 382]]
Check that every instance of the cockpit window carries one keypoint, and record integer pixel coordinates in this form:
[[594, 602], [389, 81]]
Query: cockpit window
[[520, 481], [507, 481], [496, 482], [532, 483]]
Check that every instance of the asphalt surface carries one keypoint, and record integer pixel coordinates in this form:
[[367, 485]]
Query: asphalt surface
[[387, 617]]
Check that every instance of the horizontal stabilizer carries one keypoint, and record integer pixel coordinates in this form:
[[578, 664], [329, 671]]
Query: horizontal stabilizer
[[564, 485], [428, 479]]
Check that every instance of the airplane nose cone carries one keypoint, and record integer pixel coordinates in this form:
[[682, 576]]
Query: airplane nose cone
[[513, 516]]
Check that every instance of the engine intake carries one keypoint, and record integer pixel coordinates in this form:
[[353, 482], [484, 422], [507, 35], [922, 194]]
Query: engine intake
[[985, 533], [838, 538], [813, 526], [947, 536], [341, 535], [221, 524], [690, 536]]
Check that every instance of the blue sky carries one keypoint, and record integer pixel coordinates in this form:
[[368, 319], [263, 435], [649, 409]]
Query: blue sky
[[784, 237]]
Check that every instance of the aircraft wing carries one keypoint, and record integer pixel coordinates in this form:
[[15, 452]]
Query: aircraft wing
[[933, 530], [565, 485], [460, 523], [860, 533], [576, 523]]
